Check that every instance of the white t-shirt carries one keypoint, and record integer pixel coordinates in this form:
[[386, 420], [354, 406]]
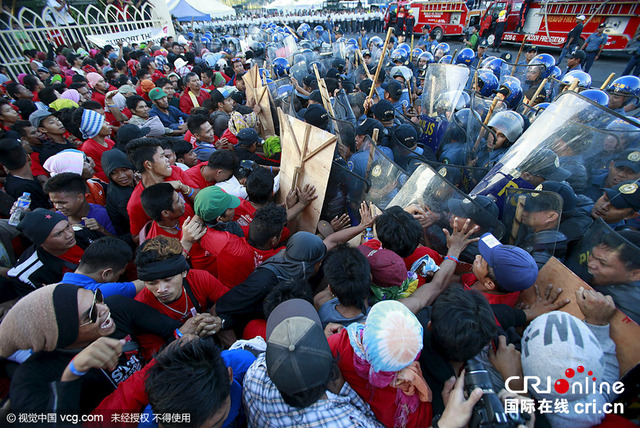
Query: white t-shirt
[[61, 17]]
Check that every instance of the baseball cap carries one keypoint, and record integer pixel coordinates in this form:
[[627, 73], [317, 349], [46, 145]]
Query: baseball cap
[[37, 117], [130, 132], [406, 135], [156, 94], [365, 53], [569, 198], [542, 201], [514, 268], [531, 48], [629, 158], [212, 202], [603, 25], [316, 115], [578, 54], [624, 195], [367, 126], [483, 43], [383, 110], [308, 79], [548, 166], [365, 86], [581, 17], [298, 356], [126, 89], [316, 96], [394, 88], [248, 136], [72, 57], [387, 268], [332, 73]]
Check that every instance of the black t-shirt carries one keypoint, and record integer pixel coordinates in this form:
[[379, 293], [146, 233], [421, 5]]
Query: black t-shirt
[[16, 186], [575, 34], [244, 154]]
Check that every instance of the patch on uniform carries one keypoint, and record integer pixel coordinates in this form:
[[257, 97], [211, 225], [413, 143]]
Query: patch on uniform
[[350, 165], [466, 201], [556, 162], [628, 189], [443, 171], [539, 187], [634, 156], [376, 171]]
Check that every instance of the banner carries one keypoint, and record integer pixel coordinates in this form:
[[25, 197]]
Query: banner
[[128, 37]]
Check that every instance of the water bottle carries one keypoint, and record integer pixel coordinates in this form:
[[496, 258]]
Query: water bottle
[[22, 204], [368, 234], [180, 121]]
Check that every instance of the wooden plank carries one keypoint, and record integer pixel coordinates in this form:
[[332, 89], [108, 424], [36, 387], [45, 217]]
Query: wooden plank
[[314, 170], [623, 331], [265, 119]]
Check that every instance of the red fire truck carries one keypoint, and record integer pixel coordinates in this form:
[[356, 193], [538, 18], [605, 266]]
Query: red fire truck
[[446, 18], [546, 23]]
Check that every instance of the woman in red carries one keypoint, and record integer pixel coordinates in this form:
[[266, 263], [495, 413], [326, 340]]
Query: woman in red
[[172, 287]]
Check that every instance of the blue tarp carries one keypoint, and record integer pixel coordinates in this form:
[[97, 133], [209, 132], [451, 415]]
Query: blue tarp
[[183, 12]]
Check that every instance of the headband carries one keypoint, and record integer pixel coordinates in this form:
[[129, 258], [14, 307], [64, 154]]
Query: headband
[[163, 268]]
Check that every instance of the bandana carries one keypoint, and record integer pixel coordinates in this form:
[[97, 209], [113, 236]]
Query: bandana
[[163, 268]]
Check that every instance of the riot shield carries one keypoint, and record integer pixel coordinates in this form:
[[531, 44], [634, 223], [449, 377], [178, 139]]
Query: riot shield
[[532, 218], [477, 131], [565, 141], [601, 243], [299, 70], [345, 192], [384, 176], [282, 93], [429, 192], [285, 47], [339, 49], [442, 89], [463, 177]]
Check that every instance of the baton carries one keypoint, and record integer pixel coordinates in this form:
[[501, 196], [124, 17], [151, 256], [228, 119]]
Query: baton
[[384, 51], [519, 52], [606, 82]]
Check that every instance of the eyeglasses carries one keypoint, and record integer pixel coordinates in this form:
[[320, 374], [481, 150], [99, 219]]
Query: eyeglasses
[[235, 60], [93, 313]]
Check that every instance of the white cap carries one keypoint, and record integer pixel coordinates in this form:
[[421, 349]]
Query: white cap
[[581, 17]]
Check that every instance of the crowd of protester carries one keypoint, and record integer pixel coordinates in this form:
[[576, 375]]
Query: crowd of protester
[[154, 280]]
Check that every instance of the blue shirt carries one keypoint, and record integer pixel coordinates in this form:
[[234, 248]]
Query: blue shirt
[[126, 289], [169, 120], [100, 214], [359, 160], [593, 42]]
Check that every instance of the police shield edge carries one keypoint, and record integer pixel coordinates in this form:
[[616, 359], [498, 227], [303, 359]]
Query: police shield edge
[[574, 134], [532, 218], [384, 176], [428, 192], [442, 89]]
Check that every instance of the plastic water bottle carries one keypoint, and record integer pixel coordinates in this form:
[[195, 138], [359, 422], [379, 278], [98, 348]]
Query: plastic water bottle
[[180, 121], [22, 204], [368, 234]]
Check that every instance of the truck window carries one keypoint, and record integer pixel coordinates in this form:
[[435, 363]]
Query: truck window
[[497, 7]]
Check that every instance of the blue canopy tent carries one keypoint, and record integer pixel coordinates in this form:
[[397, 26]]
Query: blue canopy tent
[[184, 12]]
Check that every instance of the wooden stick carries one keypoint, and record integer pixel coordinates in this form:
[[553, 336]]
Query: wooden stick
[[411, 53], [453, 57], [326, 99], [319, 149], [364, 64], [374, 138], [574, 85], [293, 33], [529, 104], [498, 97], [606, 82], [517, 220], [524, 40], [432, 94], [380, 62]]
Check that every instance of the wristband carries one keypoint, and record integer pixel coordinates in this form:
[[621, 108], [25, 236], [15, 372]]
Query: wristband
[[452, 258], [178, 334], [191, 193], [271, 169], [112, 106], [74, 370]]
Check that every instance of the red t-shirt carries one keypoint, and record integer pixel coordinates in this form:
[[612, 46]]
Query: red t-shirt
[[244, 216], [468, 279], [73, 255], [137, 217], [235, 258], [189, 138], [36, 166], [206, 289], [94, 150], [195, 175], [200, 259], [185, 100], [382, 400]]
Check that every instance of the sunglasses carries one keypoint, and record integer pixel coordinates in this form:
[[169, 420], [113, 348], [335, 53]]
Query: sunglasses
[[93, 313]]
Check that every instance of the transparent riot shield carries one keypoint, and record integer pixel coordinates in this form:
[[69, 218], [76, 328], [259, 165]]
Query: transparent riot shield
[[572, 139], [345, 192], [283, 48], [282, 93], [463, 177], [599, 247], [346, 133], [299, 70], [477, 131], [384, 176], [442, 90], [532, 218], [339, 49], [439, 201]]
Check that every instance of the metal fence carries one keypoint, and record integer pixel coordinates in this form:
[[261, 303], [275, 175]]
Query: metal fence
[[30, 30]]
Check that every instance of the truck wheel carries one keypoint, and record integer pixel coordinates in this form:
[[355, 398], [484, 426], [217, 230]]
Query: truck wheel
[[438, 33]]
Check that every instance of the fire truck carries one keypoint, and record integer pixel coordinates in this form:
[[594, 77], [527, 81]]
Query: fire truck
[[446, 18], [547, 23]]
